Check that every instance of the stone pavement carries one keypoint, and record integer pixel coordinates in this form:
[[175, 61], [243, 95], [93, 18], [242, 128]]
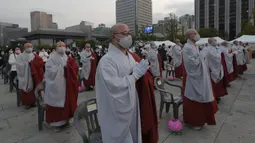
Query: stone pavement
[[235, 119]]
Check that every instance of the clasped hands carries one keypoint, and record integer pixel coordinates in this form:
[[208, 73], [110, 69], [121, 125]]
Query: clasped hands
[[140, 69]]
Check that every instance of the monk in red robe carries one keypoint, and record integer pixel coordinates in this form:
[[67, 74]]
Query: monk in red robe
[[89, 63], [30, 74], [214, 59], [199, 105], [61, 87], [177, 56], [125, 93]]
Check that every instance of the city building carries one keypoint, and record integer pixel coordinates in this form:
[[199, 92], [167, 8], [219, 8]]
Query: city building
[[135, 13], [54, 25], [187, 21], [102, 30], [9, 31], [223, 15], [13, 33], [84, 27], [101, 25], [40, 20]]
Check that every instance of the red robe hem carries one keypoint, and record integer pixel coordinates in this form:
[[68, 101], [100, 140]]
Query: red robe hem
[[91, 80], [219, 89], [56, 114], [179, 71], [197, 114]]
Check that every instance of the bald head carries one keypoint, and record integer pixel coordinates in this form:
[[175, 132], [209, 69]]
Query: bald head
[[212, 41], [192, 35], [177, 41], [225, 43], [118, 28], [28, 45], [60, 44], [121, 31]]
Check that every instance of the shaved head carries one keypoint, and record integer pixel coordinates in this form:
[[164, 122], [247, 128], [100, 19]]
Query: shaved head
[[119, 27], [28, 45], [60, 44], [212, 41], [191, 32]]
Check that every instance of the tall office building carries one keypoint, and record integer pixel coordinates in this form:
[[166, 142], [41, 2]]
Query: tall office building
[[223, 15], [135, 13], [40, 20]]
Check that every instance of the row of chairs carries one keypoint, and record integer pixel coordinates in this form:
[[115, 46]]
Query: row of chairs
[[87, 111]]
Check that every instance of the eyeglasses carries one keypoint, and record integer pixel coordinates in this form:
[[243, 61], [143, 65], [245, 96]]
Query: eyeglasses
[[124, 33]]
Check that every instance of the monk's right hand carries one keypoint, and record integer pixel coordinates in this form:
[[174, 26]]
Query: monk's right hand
[[140, 69]]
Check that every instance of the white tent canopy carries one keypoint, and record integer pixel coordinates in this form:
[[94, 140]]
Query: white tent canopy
[[205, 40], [167, 43], [245, 38]]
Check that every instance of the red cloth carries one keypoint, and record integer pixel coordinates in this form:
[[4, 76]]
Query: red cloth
[[235, 66], [36, 67], [179, 71], [55, 114], [148, 109], [91, 79], [195, 113], [226, 78], [219, 89], [160, 64]]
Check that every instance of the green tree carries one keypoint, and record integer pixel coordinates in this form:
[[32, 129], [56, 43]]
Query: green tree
[[171, 27], [208, 32]]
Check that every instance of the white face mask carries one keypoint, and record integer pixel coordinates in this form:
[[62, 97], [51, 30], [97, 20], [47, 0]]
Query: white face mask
[[126, 41], [197, 37], [29, 50], [61, 50]]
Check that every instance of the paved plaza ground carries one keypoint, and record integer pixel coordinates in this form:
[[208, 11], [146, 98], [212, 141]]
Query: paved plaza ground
[[235, 119]]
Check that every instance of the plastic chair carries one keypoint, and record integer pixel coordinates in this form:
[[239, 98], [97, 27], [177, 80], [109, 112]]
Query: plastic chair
[[40, 105], [167, 98], [88, 110]]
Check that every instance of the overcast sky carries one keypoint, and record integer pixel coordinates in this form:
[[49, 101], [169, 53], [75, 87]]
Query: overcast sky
[[72, 12]]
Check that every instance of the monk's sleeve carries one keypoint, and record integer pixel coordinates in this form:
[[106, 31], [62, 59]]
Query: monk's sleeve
[[120, 90], [51, 70]]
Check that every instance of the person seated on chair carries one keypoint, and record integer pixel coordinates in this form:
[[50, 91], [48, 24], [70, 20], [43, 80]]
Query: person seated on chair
[[30, 74], [61, 87]]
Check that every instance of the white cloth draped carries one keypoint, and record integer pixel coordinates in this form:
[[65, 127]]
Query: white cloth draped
[[154, 63], [177, 55], [117, 100], [55, 82], [86, 63], [44, 55], [228, 58], [24, 71], [213, 59], [198, 84]]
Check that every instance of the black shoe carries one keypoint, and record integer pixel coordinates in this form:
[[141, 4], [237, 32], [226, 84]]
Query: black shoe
[[218, 100]]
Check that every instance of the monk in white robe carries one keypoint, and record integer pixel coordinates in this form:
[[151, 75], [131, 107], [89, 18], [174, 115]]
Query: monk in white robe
[[126, 113], [240, 57], [213, 59], [151, 55], [30, 73], [199, 105], [229, 61], [177, 56], [61, 87], [89, 63]]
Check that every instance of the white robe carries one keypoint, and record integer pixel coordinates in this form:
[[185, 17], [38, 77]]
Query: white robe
[[86, 57], [177, 55], [238, 51], [24, 72], [55, 82], [228, 58], [117, 99], [154, 63], [198, 84], [213, 59]]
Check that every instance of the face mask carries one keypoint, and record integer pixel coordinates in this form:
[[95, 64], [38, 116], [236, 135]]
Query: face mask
[[197, 37], [29, 50], [61, 50], [11, 52], [126, 42], [17, 51]]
